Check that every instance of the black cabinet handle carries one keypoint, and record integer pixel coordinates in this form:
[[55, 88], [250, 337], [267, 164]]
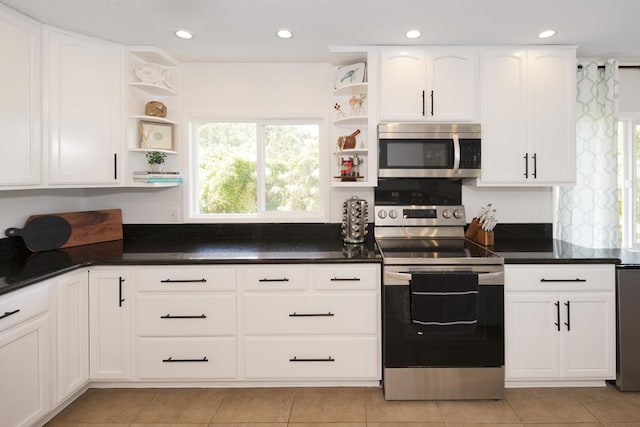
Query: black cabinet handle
[[169, 316], [284, 279], [526, 165], [328, 359], [562, 280], [172, 360], [9, 313], [294, 314], [423, 103], [432, 103], [345, 279], [568, 322], [115, 166], [535, 165], [184, 281], [120, 299], [557, 304]]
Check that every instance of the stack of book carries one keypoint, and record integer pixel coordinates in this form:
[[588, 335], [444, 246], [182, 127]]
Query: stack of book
[[157, 177]]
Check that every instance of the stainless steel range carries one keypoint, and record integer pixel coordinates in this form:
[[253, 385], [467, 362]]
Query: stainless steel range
[[443, 297]]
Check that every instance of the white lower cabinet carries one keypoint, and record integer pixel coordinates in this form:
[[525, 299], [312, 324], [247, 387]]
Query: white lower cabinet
[[25, 356], [193, 358], [311, 322], [559, 323], [72, 333], [110, 323], [335, 358], [186, 323]]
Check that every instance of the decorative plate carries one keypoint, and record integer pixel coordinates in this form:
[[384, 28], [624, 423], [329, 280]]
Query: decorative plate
[[153, 73]]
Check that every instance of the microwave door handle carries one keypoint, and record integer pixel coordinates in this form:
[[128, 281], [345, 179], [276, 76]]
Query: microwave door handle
[[456, 152]]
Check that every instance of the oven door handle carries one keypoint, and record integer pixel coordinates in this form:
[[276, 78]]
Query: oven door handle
[[456, 152], [483, 278]]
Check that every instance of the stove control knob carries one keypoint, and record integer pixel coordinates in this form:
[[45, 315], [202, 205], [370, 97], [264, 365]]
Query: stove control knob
[[446, 213], [457, 214], [393, 214], [382, 214]]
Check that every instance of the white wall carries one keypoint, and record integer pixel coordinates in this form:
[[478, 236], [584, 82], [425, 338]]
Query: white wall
[[629, 90], [512, 205], [17, 206]]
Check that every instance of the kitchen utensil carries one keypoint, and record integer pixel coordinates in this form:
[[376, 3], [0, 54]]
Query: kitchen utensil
[[44, 233], [348, 141], [90, 227]]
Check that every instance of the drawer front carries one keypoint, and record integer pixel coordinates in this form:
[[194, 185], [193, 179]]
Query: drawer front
[[187, 315], [186, 279], [309, 358], [346, 277], [186, 358], [559, 278], [331, 314], [281, 277], [23, 304]]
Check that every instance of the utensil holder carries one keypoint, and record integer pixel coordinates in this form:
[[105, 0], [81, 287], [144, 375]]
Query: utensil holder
[[477, 234]]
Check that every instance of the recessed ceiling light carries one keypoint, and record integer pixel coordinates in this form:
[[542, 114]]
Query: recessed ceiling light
[[413, 34], [183, 34], [546, 34], [284, 34]]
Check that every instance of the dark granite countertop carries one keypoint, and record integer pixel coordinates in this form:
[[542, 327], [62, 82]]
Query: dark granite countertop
[[534, 244], [273, 243], [167, 244]]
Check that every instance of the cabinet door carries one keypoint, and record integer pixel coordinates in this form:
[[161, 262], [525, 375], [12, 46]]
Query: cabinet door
[[25, 369], [531, 336], [503, 88], [452, 85], [72, 333], [84, 123], [552, 120], [110, 324], [403, 76], [20, 103], [589, 335]]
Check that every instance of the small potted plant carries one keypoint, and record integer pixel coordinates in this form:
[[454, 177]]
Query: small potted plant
[[156, 160]]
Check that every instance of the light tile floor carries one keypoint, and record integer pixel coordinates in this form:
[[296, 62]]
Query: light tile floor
[[346, 407]]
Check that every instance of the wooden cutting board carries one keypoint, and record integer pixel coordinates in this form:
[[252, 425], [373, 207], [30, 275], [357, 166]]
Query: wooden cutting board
[[90, 227]]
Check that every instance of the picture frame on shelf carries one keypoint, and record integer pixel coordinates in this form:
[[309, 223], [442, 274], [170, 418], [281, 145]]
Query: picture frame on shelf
[[156, 136], [350, 74]]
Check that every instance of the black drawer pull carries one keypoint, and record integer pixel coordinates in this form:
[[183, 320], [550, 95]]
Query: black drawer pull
[[568, 322], [9, 313], [172, 360], [184, 281], [328, 359], [345, 279], [294, 314], [284, 279], [169, 316], [557, 304], [562, 280]]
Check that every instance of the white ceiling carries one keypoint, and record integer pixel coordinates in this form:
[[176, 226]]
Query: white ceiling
[[244, 30]]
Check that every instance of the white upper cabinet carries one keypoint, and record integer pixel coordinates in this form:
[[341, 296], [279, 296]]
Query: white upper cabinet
[[84, 102], [435, 84], [528, 115], [20, 103]]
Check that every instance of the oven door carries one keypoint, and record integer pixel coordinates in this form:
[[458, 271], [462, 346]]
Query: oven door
[[406, 347]]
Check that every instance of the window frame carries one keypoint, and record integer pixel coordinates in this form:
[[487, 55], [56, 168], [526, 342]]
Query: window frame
[[262, 216], [629, 174]]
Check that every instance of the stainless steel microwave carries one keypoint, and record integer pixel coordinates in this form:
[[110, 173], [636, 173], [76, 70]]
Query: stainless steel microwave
[[429, 150]]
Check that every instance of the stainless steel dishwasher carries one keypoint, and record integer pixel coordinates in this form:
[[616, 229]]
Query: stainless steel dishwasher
[[628, 328]]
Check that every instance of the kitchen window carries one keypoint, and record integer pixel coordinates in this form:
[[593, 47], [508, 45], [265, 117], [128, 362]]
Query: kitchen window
[[262, 170], [629, 180]]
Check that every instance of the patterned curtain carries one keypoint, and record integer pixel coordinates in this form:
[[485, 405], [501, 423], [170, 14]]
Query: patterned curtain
[[587, 214]]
